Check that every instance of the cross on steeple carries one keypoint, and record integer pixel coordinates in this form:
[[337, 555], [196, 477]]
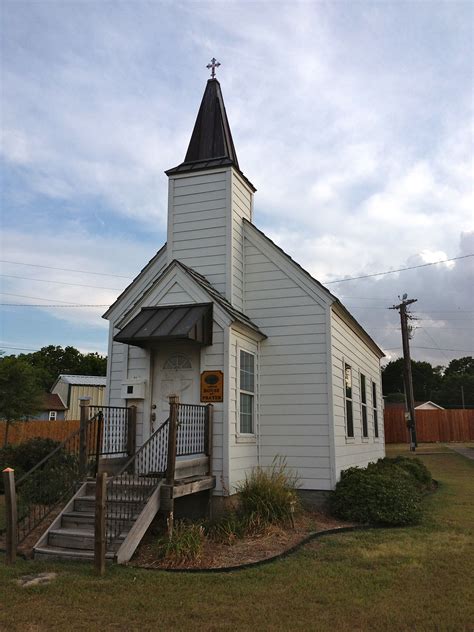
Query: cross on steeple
[[213, 65]]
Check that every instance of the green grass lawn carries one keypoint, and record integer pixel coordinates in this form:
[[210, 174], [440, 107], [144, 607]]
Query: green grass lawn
[[419, 578]]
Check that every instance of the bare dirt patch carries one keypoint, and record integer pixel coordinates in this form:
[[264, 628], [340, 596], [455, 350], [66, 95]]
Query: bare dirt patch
[[274, 541]]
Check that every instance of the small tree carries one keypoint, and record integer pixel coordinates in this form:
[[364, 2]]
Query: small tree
[[20, 391]]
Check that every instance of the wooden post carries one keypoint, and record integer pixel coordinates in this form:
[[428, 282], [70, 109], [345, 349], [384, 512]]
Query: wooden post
[[98, 441], [100, 537], [131, 430], [84, 403], [11, 515], [208, 437], [171, 465], [172, 432]]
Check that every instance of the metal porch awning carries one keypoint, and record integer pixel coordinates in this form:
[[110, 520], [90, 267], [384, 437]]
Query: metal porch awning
[[173, 322]]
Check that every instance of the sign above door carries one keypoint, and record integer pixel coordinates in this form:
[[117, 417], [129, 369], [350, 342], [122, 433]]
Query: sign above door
[[212, 386]]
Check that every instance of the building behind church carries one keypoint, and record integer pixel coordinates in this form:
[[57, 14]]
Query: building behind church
[[300, 377]]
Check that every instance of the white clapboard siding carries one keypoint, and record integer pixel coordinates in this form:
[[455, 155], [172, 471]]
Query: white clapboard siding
[[212, 359], [293, 390], [241, 201], [205, 229], [122, 362], [197, 220], [348, 347], [242, 448], [128, 362]]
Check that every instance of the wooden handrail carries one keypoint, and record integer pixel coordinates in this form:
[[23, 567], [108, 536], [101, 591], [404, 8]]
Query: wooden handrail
[[172, 436]]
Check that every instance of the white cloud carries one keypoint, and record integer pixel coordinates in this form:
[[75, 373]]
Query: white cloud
[[354, 127]]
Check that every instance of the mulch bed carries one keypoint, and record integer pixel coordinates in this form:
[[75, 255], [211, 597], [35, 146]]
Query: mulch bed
[[275, 541]]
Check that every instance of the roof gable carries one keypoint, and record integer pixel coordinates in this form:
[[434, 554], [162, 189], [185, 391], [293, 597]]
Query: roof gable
[[52, 401], [202, 283], [321, 293], [158, 262]]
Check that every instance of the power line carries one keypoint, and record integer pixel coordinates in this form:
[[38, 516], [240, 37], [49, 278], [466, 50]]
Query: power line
[[52, 305], [426, 311], [18, 348], [97, 287], [121, 276], [441, 319], [441, 329], [36, 298], [39, 298], [432, 349], [37, 265], [434, 341], [422, 265]]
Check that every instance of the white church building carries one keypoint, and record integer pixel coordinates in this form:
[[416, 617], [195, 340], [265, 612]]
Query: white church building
[[300, 377]]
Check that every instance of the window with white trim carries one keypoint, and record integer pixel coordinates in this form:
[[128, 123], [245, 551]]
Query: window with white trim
[[348, 398], [53, 415], [247, 392], [376, 415], [363, 403]]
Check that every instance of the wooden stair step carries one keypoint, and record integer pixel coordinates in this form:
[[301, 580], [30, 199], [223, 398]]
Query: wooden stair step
[[193, 485], [87, 503], [77, 519], [61, 553], [82, 539]]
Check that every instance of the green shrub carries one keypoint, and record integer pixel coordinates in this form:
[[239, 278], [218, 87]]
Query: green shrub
[[268, 496], [378, 495], [416, 468], [418, 472], [51, 480], [184, 545], [26, 455]]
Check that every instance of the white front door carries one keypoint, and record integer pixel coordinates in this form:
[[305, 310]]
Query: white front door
[[175, 372]]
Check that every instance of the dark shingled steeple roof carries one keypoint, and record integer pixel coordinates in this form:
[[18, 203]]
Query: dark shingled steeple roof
[[211, 135], [211, 143]]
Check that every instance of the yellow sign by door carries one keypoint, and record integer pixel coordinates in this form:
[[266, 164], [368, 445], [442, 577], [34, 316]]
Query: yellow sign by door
[[212, 386]]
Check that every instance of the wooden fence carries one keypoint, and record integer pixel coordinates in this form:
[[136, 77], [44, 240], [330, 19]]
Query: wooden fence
[[21, 431], [431, 425]]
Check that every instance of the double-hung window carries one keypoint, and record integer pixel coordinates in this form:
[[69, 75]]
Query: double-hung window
[[363, 403], [247, 393], [374, 404], [52, 415], [348, 398]]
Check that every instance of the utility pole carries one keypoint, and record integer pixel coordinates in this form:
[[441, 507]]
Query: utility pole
[[462, 396], [407, 376]]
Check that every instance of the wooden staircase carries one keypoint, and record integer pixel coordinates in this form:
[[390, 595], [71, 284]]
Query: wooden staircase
[[71, 535], [108, 522]]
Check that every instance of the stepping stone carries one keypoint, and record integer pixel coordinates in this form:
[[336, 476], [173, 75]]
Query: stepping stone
[[35, 580]]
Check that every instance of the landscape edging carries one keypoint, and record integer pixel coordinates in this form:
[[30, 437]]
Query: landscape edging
[[229, 569]]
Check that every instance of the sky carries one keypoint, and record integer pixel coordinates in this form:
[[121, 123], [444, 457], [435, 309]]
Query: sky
[[352, 119]]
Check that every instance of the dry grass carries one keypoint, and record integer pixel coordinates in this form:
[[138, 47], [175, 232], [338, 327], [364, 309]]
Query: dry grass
[[420, 578]]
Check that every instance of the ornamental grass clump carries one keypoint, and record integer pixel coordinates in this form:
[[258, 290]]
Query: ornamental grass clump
[[268, 496], [383, 495], [184, 545], [228, 528]]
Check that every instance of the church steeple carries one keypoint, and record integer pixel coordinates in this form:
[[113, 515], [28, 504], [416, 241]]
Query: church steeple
[[211, 143], [208, 198]]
